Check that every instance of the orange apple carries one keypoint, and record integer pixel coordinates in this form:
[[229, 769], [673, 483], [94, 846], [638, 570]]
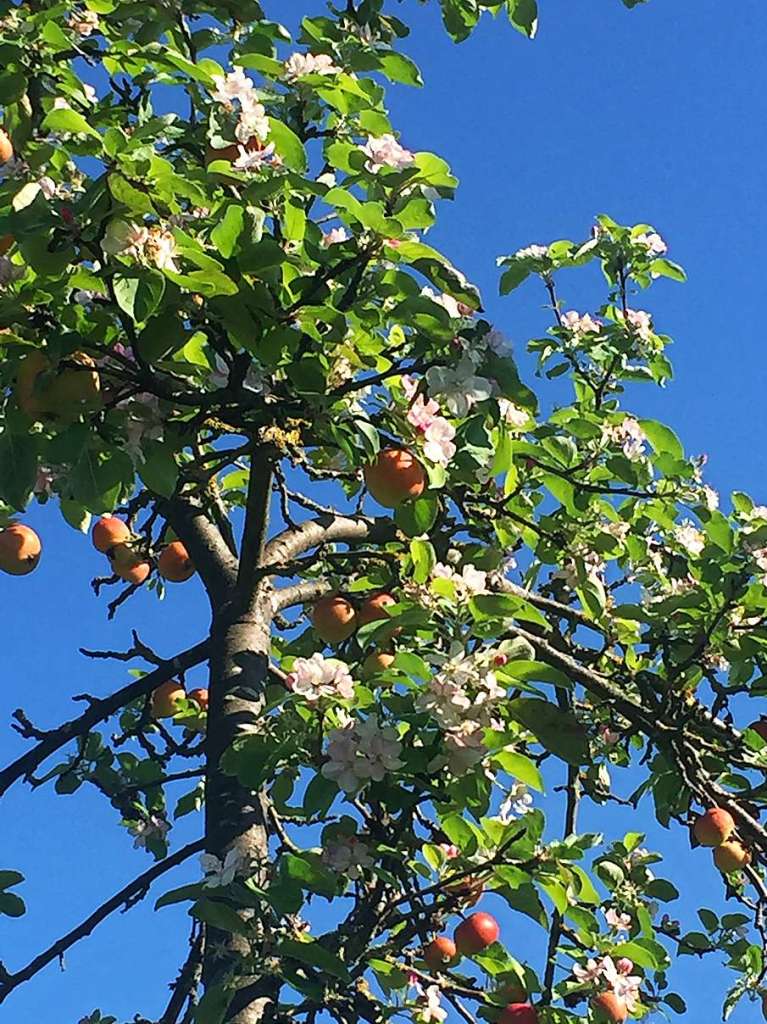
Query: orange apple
[[518, 1013], [20, 549], [714, 827], [165, 699], [6, 147], [609, 1008], [174, 563], [376, 662], [395, 477], [108, 532], [334, 619]]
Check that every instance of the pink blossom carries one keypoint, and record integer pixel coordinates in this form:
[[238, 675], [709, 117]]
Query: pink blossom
[[653, 242], [439, 447], [254, 159], [385, 151], [300, 64], [616, 921], [422, 413], [317, 677], [581, 324]]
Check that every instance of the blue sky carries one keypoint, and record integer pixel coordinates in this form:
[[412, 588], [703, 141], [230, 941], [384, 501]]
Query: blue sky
[[653, 115]]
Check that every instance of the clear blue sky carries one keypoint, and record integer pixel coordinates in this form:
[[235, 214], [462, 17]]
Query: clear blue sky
[[652, 115]]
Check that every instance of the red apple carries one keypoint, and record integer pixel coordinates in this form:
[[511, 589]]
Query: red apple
[[476, 933], [440, 952], [714, 827], [519, 1013]]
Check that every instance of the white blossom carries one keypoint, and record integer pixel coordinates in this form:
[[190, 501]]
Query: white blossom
[[616, 921], [580, 324], [641, 322], [629, 435], [235, 86], [254, 159], [300, 64], [385, 151], [518, 802], [534, 252], [438, 441], [467, 583], [253, 122], [512, 415], [690, 538], [429, 1010], [652, 242], [317, 677], [360, 751], [347, 855], [334, 237], [458, 387], [146, 828], [218, 873]]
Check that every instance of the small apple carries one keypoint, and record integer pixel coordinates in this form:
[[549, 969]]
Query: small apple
[[6, 147], [609, 1008], [440, 953], [20, 549], [731, 857], [174, 563], [334, 619], [166, 698], [519, 1013], [108, 532], [714, 827], [377, 662], [395, 477], [476, 933]]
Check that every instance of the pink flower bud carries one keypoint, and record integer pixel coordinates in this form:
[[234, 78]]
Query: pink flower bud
[[625, 966], [499, 660]]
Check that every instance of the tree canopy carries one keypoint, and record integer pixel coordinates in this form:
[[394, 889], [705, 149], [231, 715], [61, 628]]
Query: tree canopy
[[470, 595]]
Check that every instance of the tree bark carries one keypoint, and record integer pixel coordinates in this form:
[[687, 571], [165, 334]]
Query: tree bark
[[235, 817]]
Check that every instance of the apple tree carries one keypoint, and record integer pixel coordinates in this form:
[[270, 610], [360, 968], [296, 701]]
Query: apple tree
[[463, 599]]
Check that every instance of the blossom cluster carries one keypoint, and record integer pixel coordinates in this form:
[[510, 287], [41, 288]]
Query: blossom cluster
[[153, 244], [360, 751], [617, 977], [463, 698], [346, 855], [319, 677], [628, 436]]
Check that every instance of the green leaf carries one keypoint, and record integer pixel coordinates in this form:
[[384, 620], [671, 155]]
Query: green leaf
[[424, 559], [513, 277], [69, 121], [180, 895], [523, 15], [228, 230], [159, 470], [288, 145], [314, 954], [459, 832], [399, 68], [213, 1005], [220, 915], [10, 878], [662, 438], [505, 606], [559, 731], [11, 905], [76, 515], [310, 873], [18, 468], [417, 517], [521, 767], [139, 293]]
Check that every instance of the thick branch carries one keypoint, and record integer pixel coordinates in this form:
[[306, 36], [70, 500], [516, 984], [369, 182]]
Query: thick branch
[[97, 712], [207, 548], [325, 530], [131, 892], [299, 593]]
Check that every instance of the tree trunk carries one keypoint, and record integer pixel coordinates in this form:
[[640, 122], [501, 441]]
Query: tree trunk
[[234, 816]]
